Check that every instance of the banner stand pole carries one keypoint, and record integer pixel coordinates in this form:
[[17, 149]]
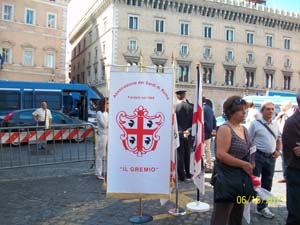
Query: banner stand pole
[[177, 211], [104, 160], [198, 206], [140, 218]]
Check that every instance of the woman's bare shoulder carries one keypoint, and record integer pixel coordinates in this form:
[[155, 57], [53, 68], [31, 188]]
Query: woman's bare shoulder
[[224, 128]]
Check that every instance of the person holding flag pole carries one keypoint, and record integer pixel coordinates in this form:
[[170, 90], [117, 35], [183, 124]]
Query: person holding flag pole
[[197, 156]]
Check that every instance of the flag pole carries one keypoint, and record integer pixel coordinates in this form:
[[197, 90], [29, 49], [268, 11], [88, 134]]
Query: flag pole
[[198, 133], [177, 211], [141, 218], [104, 161]]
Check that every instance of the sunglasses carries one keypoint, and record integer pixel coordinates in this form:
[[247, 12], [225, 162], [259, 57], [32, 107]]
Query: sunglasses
[[235, 105], [269, 109], [237, 101]]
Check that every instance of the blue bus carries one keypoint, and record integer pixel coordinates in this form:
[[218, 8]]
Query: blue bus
[[75, 100], [280, 93]]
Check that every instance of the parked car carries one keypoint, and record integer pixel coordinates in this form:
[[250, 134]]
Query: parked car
[[23, 119]]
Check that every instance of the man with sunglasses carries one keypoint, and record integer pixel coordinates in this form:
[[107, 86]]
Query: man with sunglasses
[[265, 134]]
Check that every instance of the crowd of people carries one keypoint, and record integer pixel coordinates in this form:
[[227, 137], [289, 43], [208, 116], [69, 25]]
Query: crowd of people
[[242, 151], [265, 137], [247, 145]]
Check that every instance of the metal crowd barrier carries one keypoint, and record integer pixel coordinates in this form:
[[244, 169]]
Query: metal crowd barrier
[[35, 145]]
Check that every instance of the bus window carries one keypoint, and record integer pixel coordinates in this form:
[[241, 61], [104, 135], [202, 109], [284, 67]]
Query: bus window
[[75, 109], [28, 100], [93, 104], [53, 99], [9, 100]]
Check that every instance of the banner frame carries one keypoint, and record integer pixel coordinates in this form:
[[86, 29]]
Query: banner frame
[[140, 69]]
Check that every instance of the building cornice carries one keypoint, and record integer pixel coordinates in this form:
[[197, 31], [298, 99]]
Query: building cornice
[[62, 3], [241, 12]]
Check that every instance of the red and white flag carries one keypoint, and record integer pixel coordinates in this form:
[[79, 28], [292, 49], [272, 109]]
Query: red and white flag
[[175, 145], [198, 134], [175, 135]]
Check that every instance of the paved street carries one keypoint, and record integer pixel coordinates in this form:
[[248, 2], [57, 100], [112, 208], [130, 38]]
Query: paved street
[[56, 151], [70, 194]]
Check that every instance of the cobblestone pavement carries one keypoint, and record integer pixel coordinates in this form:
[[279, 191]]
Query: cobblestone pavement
[[80, 199]]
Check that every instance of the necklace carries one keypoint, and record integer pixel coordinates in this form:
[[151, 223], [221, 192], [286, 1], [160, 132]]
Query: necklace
[[238, 127]]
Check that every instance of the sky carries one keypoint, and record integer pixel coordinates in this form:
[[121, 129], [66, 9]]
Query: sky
[[290, 5], [76, 10]]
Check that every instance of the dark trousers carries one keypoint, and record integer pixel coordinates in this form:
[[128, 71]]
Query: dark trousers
[[283, 166], [264, 168], [183, 159], [292, 196], [227, 214]]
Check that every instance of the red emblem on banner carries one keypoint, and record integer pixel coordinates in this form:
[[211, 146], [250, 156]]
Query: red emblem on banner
[[140, 130]]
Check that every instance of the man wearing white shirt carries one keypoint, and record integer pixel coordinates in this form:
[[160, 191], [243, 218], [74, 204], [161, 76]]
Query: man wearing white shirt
[[265, 135], [43, 117]]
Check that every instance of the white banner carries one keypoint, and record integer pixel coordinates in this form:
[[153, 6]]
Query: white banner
[[140, 129]]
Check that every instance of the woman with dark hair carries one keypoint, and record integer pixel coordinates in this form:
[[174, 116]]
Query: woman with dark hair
[[233, 154], [102, 123]]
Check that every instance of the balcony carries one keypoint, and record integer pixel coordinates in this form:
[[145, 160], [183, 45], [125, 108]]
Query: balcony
[[269, 63], [184, 54], [229, 59], [158, 57], [132, 55], [287, 65], [250, 61], [207, 57]]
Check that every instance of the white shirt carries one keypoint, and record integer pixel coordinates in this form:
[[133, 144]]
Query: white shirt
[[102, 122], [262, 138], [252, 115], [43, 115], [282, 117]]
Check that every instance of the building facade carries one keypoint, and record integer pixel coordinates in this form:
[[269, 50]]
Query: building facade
[[33, 40], [243, 48]]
